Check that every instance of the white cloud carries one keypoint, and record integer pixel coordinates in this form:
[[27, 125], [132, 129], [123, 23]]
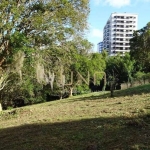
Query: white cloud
[[97, 33], [97, 2], [95, 36], [117, 3], [114, 3]]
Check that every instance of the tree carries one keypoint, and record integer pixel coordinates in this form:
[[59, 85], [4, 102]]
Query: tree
[[119, 69], [85, 66], [140, 48], [140, 76], [80, 49], [38, 32], [114, 67], [128, 66], [3, 83], [31, 24]]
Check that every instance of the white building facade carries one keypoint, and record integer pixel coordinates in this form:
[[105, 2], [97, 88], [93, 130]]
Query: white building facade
[[100, 47], [118, 31]]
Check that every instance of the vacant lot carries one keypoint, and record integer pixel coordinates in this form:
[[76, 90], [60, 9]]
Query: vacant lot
[[93, 120]]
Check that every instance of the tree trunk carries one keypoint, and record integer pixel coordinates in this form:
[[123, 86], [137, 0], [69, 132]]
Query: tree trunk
[[1, 107], [71, 90], [131, 82], [128, 83], [112, 89], [61, 95]]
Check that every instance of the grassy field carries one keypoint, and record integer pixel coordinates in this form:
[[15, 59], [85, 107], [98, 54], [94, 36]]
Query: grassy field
[[88, 122]]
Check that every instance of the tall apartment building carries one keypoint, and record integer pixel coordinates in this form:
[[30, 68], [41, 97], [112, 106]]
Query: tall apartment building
[[100, 47], [118, 31]]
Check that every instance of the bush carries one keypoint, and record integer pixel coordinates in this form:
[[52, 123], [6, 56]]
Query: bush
[[140, 76], [81, 89]]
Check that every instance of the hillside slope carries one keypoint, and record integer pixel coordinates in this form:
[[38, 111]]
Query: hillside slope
[[88, 121]]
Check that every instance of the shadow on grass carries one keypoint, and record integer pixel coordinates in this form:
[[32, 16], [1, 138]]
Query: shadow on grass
[[97, 133], [143, 89]]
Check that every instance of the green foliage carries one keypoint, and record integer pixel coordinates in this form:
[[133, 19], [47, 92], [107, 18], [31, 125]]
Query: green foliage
[[18, 40], [104, 54], [97, 63], [140, 75], [92, 63], [128, 63], [81, 89], [128, 66], [88, 66], [147, 76], [49, 33], [140, 47], [114, 67], [39, 23], [28, 90], [121, 67]]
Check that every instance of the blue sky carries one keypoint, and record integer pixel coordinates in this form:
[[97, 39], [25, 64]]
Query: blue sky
[[101, 10]]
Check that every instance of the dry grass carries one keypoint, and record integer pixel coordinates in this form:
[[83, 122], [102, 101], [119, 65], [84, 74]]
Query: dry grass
[[94, 120]]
